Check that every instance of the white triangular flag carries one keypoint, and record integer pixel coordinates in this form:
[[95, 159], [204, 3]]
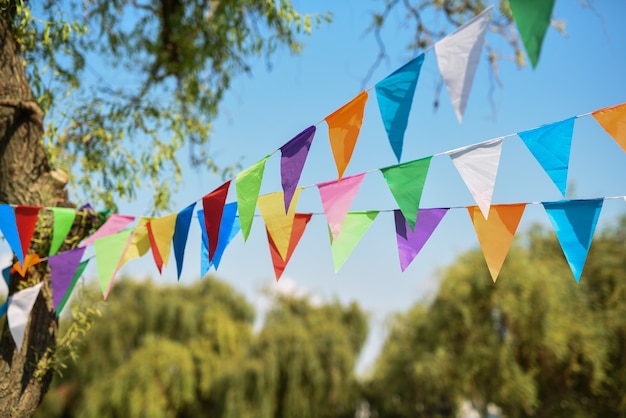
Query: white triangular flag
[[20, 305], [478, 166], [458, 55]]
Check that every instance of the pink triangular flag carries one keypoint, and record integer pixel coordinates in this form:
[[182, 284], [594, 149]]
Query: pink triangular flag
[[113, 225], [337, 196]]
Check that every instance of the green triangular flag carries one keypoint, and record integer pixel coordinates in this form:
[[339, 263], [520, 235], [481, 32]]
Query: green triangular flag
[[108, 251], [68, 293], [63, 220], [532, 18], [354, 226], [406, 183], [248, 185]]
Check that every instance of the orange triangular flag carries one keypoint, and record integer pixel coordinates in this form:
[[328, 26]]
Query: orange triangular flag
[[29, 261], [495, 233], [344, 125], [160, 233], [278, 223], [300, 221], [613, 120]]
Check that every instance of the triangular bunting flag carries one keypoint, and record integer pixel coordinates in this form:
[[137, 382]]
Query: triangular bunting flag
[[20, 305], [205, 265], [410, 243], [247, 185], [63, 220], [551, 145], [160, 233], [79, 271], [277, 222], [139, 242], [354, 226], [495, 234], [62, 270], [229, 228], [29, 261], [109, 250], [406, 183], [181, 232], [458, 55], [3, 308], [337, 196], [213, 205], [113, 224], [300, 221], [8, 227], [613, 120], [26, 220], [532, 18], [395, 97], [478, 166], [292, 159], [344, 125], [574, 222]]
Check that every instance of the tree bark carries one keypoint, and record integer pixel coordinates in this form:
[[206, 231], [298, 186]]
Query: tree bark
[[26, 178]]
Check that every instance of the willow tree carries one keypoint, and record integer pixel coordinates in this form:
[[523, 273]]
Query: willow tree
[[102, 95]]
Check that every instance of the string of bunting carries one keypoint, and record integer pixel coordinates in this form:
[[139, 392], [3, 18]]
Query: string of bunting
[[116, 242]]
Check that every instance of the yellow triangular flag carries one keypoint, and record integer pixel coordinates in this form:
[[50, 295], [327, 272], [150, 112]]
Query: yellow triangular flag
[[279, 224], [161, 231], [613, 120], [138, 243], [496, 233]]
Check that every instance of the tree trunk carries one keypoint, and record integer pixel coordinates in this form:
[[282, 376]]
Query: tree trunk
[[27, 179]]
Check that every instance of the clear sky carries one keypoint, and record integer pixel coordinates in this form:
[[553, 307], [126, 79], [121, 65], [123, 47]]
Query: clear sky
[[576, 74]]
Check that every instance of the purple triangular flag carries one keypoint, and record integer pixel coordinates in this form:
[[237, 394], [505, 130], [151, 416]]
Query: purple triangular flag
[[410, 242], [293, 157], [62, 269]]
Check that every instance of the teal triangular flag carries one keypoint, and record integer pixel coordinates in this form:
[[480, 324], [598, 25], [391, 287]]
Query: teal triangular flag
[[551, 144], [574, 222], [395, 96]]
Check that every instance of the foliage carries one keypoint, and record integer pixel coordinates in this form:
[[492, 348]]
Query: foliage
[[536, 344], [125, 84], [185, 351]]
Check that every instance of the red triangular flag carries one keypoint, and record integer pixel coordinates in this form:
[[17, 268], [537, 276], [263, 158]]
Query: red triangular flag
[[299, 225], [26, 219], [213, 205]]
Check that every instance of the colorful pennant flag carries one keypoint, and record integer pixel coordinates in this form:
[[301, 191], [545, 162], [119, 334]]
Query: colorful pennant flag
[[213, 205], [532, 18], [300, 222], [478, 166], [458, 55], [181, 232], [229, 228], [337, 196], [20, 305], [354, 226], [63, 220], [63, 268], [248, 185], [79, 271], [406, 183], [278, 223], [410, 242], [109, 250], [574, 222], [8, 226], [344, 125], [395, 97], [160, 234], [292, 159], [113, 224], [26, 221], [29, 261], [613, 120], [3, 308], [495, 233], [138, 244], [551, 145]]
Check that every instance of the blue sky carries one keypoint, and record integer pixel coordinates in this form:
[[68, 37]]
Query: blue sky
[[576, 74]]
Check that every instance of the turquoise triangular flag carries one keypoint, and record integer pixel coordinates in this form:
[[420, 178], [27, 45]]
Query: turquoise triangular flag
[[574, 222], [551, 144], [395, 96]]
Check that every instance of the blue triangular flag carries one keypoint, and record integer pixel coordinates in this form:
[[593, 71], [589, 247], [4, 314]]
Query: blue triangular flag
[[551, 145], [395, 96], [181, 232], [3, 308], [6, 274], [229, 228], [8, 227], [574, 222]]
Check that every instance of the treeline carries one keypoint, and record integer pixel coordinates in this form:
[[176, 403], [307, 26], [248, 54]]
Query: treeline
[[535, 344]]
